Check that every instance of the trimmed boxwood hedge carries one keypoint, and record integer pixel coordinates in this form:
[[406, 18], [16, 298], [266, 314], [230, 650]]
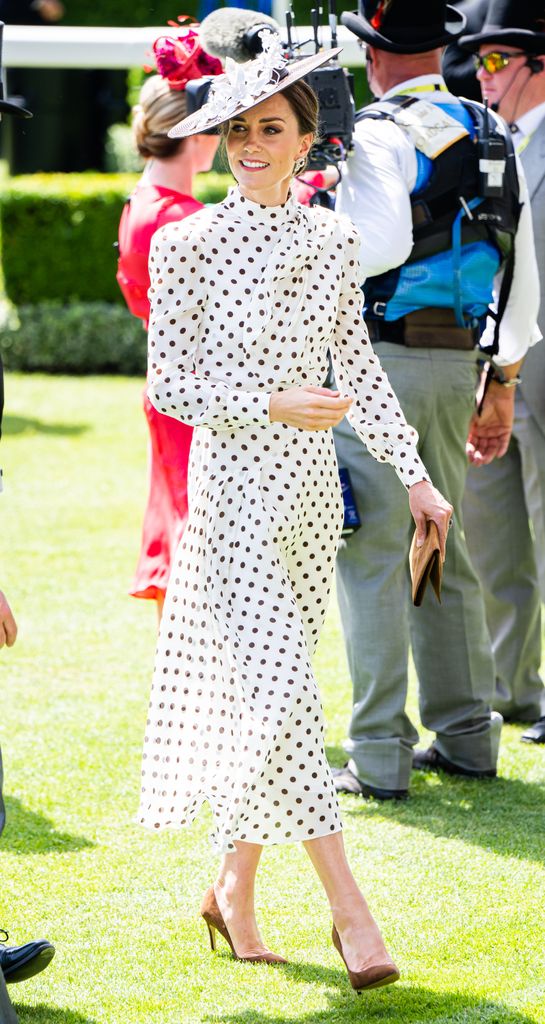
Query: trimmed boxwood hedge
[[58, 234], [80, 338]]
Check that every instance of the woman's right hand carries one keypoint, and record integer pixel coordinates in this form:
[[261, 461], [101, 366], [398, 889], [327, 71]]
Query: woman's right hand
[[308, 408]]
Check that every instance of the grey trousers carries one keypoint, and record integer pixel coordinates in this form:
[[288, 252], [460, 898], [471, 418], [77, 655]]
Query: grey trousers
[[504, 509], [7, 1013], [450, 643]]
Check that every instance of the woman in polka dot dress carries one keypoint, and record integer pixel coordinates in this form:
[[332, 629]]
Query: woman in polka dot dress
[[246, 300]]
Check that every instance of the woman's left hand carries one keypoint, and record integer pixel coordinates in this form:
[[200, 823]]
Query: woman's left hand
[[426, 502]]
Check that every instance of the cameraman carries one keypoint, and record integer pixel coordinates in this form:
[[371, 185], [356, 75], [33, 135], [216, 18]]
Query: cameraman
[[421, 307]]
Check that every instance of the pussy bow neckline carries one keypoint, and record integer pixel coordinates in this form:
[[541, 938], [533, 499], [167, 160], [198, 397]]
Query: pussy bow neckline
[[275, 217]]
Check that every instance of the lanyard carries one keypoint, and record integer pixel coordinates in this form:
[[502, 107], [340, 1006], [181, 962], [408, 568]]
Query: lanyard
[[436, 87], [525, 142]]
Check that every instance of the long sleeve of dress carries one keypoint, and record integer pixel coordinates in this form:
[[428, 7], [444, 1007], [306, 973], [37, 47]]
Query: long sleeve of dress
[[178, 294], [375, 414]]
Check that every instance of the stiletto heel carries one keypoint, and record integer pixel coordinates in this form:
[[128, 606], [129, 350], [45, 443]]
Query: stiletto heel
[[212, 937], [214, 922], [371, 977]]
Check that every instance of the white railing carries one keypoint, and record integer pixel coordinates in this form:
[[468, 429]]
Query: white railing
[[65, 46]]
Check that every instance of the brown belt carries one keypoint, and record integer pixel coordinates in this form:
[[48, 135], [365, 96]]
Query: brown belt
[[425, 328]]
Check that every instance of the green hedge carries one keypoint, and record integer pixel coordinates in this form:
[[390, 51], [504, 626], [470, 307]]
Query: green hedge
[[155, 12], [58, 234], [81, 338]]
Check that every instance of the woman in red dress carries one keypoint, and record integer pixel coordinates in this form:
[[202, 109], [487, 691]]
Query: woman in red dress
[[164, 193]]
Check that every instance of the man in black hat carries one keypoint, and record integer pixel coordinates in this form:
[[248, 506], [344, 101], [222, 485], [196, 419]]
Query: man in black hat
[[458, 66], [16, 962], [434, 188], [505, 501]]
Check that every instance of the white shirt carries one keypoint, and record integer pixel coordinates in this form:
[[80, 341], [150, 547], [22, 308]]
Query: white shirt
[[525, 125], [376, 194]]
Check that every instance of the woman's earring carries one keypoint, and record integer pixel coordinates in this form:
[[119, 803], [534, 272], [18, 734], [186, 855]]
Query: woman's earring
[[299, 165]]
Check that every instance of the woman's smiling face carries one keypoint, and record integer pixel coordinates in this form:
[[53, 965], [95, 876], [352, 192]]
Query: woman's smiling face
[[262, 147]]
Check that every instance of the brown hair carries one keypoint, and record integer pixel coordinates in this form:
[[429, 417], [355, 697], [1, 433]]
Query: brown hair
[[160, 108], [304, 103]]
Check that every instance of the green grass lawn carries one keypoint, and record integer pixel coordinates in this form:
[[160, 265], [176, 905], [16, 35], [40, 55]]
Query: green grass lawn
[[455, 876]]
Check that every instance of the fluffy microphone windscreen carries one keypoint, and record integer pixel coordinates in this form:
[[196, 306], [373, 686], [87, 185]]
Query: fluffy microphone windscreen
[[227, 32]]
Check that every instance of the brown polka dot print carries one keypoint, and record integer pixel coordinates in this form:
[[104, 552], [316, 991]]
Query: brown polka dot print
[[246, 300]]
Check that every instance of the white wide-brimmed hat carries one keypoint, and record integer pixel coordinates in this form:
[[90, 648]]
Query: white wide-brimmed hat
[[243, 86]]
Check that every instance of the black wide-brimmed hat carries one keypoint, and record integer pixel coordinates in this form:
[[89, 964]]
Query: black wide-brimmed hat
[[513, 22], [9, 106], [405, 26]]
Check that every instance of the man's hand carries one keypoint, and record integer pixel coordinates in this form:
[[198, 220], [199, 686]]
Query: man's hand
[[308, 408], [8, 626], [490, 433]]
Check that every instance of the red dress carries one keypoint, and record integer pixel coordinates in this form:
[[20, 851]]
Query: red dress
[[148, 208]]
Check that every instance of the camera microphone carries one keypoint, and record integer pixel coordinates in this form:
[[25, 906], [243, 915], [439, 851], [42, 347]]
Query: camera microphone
[[234, 32]]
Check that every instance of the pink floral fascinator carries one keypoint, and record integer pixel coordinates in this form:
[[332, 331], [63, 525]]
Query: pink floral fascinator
[[181, 58]]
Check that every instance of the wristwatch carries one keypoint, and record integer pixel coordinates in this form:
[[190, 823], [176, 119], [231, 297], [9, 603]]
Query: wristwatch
[[506, 382]]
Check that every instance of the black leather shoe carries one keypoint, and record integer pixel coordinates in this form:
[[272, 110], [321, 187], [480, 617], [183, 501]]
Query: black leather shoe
[[431, 760], [346, 782], [18, 963], [536, 732]]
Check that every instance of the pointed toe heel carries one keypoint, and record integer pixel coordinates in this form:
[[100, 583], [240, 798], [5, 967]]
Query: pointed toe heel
[[372, 977], [213, 918]]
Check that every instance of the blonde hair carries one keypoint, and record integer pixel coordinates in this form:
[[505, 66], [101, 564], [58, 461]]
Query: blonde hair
[[159, 108]]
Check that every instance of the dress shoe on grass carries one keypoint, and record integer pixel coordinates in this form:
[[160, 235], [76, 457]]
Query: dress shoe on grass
[[18, 963], [346, 782], [536, 732], [431, 760]]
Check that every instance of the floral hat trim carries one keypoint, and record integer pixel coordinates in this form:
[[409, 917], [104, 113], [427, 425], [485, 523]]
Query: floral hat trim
[[242, 86], [179, 59]]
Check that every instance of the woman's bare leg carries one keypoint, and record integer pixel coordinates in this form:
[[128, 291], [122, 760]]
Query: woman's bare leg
[[160, 598], [360, 937], [234, 888]]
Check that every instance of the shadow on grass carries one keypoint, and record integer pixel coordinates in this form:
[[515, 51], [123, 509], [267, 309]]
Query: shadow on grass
[[502, 815], [29, 832], [414, 1005], [28, 425], [49, 1015]]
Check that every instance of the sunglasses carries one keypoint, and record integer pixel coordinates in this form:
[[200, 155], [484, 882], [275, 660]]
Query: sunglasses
[[494, 62]]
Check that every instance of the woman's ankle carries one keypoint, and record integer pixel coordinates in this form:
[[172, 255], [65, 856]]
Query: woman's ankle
[[235, 895]]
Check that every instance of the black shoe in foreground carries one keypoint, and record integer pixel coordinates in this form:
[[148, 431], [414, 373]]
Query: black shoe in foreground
[[18, 963], [431, 760], [346, 782], [536, 732]]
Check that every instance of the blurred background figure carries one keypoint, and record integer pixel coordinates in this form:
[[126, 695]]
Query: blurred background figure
[[458, 66], [73, 107], [164, 193], [207, 7], [505, 501], [31, 12], [17, 963]]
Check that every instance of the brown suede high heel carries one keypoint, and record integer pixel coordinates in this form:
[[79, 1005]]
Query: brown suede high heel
[[371, 977], [214, 922]]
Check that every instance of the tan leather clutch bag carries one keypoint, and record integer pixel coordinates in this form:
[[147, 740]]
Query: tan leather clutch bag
[[426, 564]]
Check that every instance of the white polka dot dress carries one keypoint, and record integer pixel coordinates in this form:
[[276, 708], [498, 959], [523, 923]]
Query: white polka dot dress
[[246, 300]]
